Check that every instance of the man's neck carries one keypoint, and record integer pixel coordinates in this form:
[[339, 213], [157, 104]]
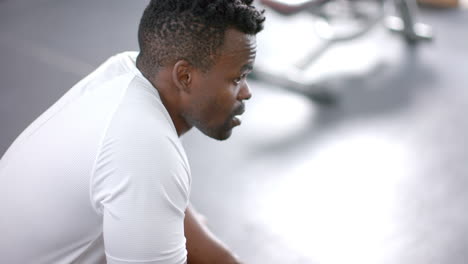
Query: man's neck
[[161, 81]]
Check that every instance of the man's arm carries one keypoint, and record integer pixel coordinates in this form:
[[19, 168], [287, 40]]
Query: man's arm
[[202, 246]]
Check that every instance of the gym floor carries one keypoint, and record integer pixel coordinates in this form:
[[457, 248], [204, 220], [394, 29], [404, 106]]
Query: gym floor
[[378, 177]]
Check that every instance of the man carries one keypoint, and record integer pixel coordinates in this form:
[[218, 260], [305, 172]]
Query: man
[[101, 176]]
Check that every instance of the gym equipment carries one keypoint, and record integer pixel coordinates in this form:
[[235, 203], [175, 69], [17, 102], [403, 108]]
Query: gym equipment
[[337, 21]]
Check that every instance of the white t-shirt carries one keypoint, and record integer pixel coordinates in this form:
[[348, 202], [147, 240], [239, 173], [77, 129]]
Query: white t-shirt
[[100, 176]]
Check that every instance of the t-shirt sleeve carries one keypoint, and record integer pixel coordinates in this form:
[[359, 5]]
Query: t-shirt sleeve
[[141, 186]]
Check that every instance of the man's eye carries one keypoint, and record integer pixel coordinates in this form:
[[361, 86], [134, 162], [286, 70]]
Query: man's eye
[[239, 79]]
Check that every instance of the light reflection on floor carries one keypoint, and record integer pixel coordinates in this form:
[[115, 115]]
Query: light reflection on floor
[[339, 199]]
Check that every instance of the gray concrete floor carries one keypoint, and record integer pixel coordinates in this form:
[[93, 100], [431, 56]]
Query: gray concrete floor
[[380, 177]]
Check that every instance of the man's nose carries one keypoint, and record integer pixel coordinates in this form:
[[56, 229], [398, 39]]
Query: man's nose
[[244, 93]]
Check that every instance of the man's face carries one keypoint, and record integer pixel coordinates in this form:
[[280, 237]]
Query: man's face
[[217, 95]]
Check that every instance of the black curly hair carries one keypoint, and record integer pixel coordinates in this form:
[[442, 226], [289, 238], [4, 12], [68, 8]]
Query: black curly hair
[[192, 30]]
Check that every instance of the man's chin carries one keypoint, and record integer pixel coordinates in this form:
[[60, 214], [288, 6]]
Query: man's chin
[[224, 136], [221, 134]]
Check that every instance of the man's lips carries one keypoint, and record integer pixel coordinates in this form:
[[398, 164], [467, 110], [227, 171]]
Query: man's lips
[[236, 118], [236, 121], [240, 110]]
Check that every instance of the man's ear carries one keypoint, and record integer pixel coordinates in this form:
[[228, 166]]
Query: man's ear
[[182, 75]]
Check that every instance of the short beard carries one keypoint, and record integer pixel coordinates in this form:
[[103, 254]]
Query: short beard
[[222, 132]]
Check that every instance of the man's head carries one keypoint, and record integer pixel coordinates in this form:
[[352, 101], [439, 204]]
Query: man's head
[[209, 48]]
